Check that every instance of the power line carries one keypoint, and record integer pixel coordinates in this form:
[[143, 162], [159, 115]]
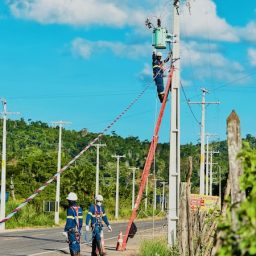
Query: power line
[[187, 101]]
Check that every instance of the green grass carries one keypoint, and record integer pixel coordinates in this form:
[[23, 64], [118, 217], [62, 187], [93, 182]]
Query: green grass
[[157, 247], [29, 216]]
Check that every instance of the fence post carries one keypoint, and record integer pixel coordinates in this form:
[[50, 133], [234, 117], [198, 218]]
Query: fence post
[[235, 167], [183, 237]]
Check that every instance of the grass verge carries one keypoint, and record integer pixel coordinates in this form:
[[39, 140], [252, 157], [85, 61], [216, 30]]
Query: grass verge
[[157, 247]]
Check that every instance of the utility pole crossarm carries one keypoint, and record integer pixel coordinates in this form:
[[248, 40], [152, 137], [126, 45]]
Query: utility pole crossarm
[[205, 103]]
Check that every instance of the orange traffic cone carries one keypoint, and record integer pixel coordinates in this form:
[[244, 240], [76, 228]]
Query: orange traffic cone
[[102, 245], [119, 242]]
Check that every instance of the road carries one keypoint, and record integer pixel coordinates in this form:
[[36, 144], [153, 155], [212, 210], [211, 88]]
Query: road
[[47, 241]]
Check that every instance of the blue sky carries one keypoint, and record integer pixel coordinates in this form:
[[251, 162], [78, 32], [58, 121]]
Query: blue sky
[[84, 61]]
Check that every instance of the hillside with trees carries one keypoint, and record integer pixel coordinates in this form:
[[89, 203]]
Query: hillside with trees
[[32, 160]]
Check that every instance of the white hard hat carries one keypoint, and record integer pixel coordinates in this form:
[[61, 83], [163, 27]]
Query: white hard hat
[[99, 198], [72, 196], [159, 54]]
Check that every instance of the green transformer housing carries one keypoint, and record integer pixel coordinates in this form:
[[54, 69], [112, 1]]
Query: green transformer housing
[[159, 38]]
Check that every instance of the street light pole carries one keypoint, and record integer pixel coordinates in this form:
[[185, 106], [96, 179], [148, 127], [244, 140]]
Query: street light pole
[[155, 193], [57, 199], [98, 167], [211, 163], [146, 195], [133, 184], [207, 162], [117, 184], [163, 199], [3, 175]]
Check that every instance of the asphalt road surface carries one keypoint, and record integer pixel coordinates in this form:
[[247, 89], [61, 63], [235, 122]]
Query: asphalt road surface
[[47, 241]]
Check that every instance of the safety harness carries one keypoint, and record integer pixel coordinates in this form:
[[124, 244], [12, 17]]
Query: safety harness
[[75, 210], [98, 215]]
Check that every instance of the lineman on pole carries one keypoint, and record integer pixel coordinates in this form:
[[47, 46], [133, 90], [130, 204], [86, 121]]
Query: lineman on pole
[[96, 215], [74, 224], [158, 72]]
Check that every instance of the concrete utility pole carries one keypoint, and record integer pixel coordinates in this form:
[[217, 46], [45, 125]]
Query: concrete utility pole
[[57, 200], [174, 166], [207, 161], [117, 183], [163, 199], [219, 167], [98, 167], [12, 189], [3, 175], [146, 196], [155, 180], [202, 158], [133, 184], [211, 163]]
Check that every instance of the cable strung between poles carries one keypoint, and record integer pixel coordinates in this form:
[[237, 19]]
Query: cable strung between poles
[[39, 190]]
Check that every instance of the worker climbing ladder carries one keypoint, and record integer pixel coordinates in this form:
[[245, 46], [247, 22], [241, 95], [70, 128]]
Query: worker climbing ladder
[[149, 159]]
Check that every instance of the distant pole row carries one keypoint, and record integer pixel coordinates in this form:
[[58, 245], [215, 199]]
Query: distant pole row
[[117, 183], [202, 135]]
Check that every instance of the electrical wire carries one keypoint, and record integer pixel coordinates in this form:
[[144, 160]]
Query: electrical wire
[[72, 161], [186, 98]]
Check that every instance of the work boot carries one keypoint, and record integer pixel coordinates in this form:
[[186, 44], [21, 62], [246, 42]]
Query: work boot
[[161, 96]]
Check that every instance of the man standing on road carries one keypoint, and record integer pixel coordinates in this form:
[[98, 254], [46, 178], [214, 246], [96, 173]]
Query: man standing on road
[[97, 215], [74, 224]]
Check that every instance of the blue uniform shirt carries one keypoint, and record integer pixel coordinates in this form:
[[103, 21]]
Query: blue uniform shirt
[[74, 218], [158, 69], [96, 214]]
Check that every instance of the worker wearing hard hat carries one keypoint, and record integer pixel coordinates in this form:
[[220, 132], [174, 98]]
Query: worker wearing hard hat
[[97, 215], [158, 73], [74, 224]]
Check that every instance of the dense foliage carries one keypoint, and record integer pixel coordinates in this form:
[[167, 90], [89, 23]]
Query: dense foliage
[[240, 240], [32, 160]]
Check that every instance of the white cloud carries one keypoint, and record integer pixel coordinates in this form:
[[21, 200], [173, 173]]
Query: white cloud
[[209, 62], [83, 48], [252, 56], [201, 54], [205, 23], [248, 33], [146, 73], [76, 12]]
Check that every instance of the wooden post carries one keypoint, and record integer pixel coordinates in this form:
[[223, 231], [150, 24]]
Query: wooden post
[[189, 222], [183, 237], [224, 207], [235, 168]]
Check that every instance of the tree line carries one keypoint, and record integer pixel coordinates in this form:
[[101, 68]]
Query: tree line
[[32, 159]]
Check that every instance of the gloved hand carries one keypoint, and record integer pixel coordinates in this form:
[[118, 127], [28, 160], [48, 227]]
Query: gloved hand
[[65, 234], [109, 228], [87, 228]]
